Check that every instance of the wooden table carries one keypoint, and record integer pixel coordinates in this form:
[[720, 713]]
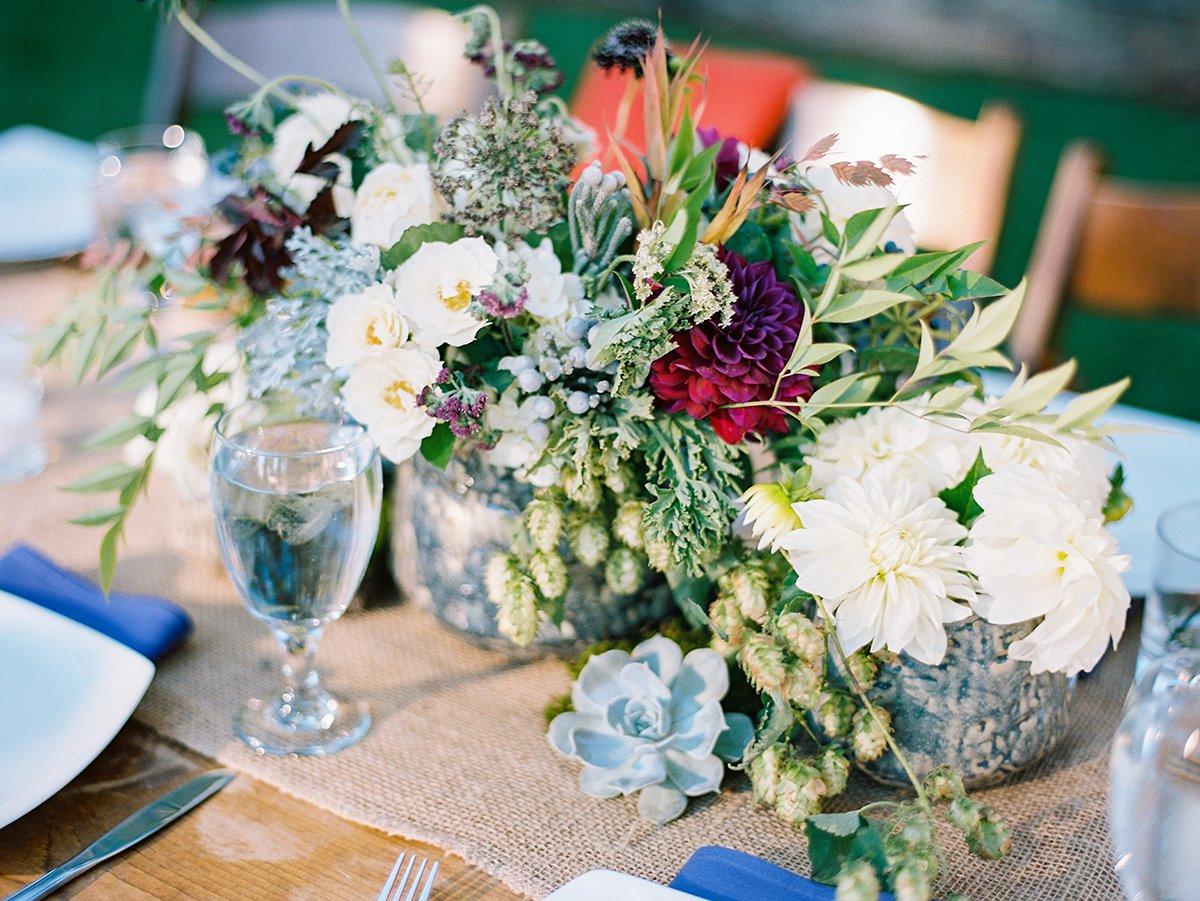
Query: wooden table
[[250, 841]]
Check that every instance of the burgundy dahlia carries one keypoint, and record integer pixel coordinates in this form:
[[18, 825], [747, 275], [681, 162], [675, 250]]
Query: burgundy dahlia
[[714, 366]]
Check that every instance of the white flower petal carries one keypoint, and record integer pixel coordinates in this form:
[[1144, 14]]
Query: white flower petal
[[662, 655], [660, 803], [597, 683], [694, 776]]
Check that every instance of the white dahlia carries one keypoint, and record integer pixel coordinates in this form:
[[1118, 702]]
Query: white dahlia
[[1036, 553], [885, 559], [891, 444]]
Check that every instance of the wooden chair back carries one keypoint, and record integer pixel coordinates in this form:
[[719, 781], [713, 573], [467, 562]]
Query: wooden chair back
[[959, 190], [1110, 245], [293, 37]]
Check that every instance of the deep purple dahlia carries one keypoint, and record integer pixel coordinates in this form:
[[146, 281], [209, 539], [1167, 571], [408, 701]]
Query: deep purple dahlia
[[714, 366], [729, 157]]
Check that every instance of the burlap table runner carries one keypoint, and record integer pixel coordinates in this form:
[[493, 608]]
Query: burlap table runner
[[457, 755]]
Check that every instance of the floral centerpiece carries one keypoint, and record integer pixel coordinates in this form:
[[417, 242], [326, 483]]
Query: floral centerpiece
[[728, 371]]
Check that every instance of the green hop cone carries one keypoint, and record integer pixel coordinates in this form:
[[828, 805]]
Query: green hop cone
[[764, 773], [804, 684], [864, 668], [943, 784], [762, 659], [799, 792], [549, 574], [586, 492], [800, 635], [750, 586], [835, 713], [624, 572], [963, 812], [618, 480], [544, 521], [869, 734], [627, 524], [727, 621], [517, 610], [986, 835], [835, 770], [661, 555], [857, 882], [913, 880], [589, 540]]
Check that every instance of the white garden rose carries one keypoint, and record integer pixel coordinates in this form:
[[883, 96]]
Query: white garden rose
[[1036, 553], [840, 201], [363, 325], [314, 122], [390, 199], [382, 391], [435, 286], [885, 559]]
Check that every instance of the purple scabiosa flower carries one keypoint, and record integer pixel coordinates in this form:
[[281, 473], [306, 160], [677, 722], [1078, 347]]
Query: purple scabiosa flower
[[729, 158]]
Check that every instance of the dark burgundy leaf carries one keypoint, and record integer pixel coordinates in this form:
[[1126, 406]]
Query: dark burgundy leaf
[[345, 139]]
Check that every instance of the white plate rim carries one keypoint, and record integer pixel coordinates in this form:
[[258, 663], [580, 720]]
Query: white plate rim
[[137, 675]]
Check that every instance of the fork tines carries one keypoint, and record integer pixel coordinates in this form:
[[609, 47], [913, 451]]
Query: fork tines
[[399, 880]]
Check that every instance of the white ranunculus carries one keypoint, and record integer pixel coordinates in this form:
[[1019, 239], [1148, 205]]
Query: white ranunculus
[[841, 201], [381, 392], [885, 559], [363, 325], [435, 286], [1036, 553], [390, 199], [891, 444], [314, 122]]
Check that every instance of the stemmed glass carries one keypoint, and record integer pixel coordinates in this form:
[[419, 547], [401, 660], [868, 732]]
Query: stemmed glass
[[296, 499]]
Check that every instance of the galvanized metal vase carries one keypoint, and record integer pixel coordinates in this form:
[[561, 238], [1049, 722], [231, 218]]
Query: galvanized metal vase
[[978, 710], [446, 525]]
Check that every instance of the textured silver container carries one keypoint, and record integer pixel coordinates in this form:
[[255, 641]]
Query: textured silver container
[[446, 525], [977, 711]]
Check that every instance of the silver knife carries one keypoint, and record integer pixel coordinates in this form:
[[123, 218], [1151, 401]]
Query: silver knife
[[129, 832]]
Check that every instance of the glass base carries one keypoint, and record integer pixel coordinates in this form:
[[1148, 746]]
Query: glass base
[[270, 727]]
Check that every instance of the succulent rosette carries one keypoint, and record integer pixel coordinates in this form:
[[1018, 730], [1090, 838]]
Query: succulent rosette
[[651, 721], [715, 366]]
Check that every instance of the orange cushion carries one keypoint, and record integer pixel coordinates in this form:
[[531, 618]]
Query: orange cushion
[[745, 96]]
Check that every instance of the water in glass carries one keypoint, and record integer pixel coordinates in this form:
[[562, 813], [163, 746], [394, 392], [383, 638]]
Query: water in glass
[[296, 503]]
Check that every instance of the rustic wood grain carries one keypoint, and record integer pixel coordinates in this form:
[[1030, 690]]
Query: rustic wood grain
[[250, 841]]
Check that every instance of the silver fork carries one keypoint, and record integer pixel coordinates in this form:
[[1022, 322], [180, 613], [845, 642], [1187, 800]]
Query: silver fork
[[393, 890]]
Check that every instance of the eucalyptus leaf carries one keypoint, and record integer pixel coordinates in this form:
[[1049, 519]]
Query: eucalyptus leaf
[[864, 231], [854, 306], [108, 477], [1085, 409], [119, 433], [98, 517]]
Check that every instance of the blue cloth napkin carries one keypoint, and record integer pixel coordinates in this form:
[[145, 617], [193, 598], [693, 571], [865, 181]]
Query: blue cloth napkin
[[722, 874], [151, 626]]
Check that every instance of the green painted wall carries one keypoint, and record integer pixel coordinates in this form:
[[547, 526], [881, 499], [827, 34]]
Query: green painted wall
[[78, 66]]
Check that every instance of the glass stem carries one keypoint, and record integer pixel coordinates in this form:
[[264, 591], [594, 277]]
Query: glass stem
[[304, 702]]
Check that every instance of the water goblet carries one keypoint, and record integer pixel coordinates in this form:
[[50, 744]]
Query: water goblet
[[150, 179], [1171, 620], [296, 499]]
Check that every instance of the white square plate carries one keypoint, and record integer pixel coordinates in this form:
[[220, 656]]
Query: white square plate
[[607, 885], [65, 691]]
